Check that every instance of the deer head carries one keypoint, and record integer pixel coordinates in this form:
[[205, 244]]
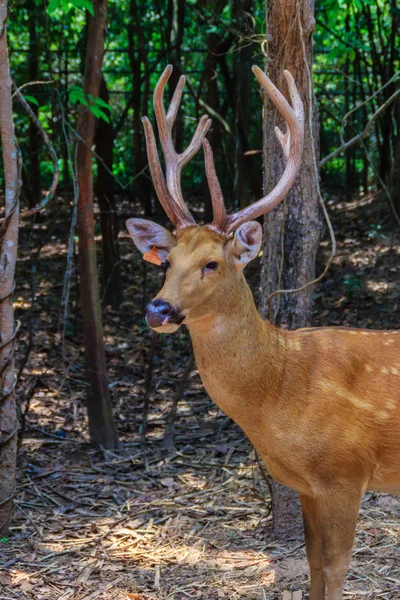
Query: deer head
[[205, 263]]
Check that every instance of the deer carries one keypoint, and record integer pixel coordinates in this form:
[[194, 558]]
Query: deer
[[320, 405]]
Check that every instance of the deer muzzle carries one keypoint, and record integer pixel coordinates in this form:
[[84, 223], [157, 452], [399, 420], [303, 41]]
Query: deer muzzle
[[163, 316]]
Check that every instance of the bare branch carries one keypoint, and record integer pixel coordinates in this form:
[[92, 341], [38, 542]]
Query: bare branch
[[56, 171], [358, 138]]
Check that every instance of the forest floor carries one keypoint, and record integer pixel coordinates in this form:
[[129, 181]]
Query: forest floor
[[147, 522]]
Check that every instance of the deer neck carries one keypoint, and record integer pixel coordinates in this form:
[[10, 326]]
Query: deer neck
[[239, 357]]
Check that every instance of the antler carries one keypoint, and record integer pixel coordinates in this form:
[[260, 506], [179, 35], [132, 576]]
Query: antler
[[292, 145], [170, 192]]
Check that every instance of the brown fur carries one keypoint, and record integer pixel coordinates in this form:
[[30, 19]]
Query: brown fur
[[322, 406]]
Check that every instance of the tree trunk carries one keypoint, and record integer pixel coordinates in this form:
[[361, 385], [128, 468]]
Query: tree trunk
[[32, 175], [242, 12], [111, 272], [214, 136], [8, 257], [138, 57], [294, 226], [395, 174], [218, 44], [101, 426], [176, 19]]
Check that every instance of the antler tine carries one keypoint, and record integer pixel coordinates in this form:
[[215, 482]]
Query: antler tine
[[217, 198], [199, 135], [165, 122], [174, 212], [292, 144], [176, 100]]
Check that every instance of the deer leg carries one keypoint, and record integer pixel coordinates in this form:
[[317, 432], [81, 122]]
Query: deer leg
[[338, 513], [312, 534]]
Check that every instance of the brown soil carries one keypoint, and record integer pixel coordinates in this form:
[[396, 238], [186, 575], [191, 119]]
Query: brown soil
[[190, 522]]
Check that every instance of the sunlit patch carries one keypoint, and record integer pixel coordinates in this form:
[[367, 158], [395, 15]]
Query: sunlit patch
[[332, 387], [377, 286], [294, 344], [281, 341]]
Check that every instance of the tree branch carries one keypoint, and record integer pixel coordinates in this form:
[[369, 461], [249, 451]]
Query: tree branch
[[56, 174], [363, 134]]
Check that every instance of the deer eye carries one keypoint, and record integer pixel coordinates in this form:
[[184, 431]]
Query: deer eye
[[211, 266]]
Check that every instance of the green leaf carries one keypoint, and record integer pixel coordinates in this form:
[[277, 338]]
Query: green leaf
[[100, 102], [67, 5], [98, 113], [32, 100], [76, 94], [53, 5], [84, 5]]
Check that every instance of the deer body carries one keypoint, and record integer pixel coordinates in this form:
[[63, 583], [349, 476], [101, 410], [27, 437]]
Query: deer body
[[321, 406]]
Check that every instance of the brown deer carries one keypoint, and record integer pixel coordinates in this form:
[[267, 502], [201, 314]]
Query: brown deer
[[321, 406]]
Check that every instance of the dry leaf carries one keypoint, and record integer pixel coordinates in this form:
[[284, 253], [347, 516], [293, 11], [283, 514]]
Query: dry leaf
[[152, 256], [20, 576], [26, 586], [5, 580], [167, 482]]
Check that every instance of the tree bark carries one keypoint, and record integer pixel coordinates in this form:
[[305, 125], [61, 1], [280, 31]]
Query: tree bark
[[111, 272], [293, 229], [101, 426], [395, 174], [8, 257], [32, 175], [176, 20], [245, 182], [140, 89]]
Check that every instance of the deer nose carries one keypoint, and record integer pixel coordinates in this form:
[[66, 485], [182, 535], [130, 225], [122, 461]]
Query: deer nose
[[160, 312]]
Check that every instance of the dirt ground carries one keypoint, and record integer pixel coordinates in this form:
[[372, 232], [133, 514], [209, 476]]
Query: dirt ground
[[147, 522]]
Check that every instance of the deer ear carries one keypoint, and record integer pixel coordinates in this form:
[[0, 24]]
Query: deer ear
[[148, 235], [246, 243]]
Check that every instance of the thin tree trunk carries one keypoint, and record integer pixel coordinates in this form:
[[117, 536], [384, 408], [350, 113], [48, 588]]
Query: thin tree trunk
[[395, 174], [138, 57], [111, 272], [32, 175], [350, 185], [212, 98], [176, 9], [295, 226], [8, 257], [101, 426], [243, 78], [218, 45]]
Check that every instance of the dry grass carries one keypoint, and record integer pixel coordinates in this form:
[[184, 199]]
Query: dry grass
[[158, 524], [147, 523]]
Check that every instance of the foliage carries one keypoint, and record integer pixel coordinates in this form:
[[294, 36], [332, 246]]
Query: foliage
[[356, 53], [68, 5], [76, 95]]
